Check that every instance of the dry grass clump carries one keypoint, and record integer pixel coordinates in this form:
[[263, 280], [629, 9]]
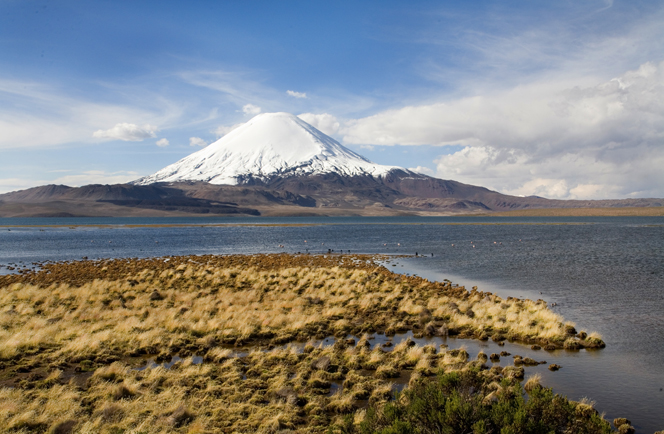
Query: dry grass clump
[[533, 382], [480, 314], [264, 391], [194, 304], [593, 340], [68, 332]]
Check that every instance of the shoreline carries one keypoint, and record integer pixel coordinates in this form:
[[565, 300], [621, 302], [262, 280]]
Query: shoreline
[[416, 266], [655, 211], [496, 219], [212, 225]]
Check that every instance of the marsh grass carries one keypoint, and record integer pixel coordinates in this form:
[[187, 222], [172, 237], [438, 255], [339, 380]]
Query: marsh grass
[[90, 317], [207, 301]]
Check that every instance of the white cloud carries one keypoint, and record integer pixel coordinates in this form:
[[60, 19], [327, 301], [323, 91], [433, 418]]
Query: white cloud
[[423, 170], [325, 122], [601, 140], [162, 143], [223, 130], [127, 132], [508, 49], [296, 94], [574, 175], [250, 109], [197, 141]]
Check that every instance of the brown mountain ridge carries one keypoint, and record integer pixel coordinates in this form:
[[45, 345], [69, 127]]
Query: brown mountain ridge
[[397, 193]]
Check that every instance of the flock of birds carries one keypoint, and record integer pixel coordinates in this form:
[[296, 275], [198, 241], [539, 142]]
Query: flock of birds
[[497, 243]]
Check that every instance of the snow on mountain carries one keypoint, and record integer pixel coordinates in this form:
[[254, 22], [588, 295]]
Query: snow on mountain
[[269, 145]]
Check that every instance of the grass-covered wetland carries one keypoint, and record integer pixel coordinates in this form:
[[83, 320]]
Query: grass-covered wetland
[[270, 343]]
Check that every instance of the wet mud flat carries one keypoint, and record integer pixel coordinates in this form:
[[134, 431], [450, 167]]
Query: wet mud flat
[[263, 342]]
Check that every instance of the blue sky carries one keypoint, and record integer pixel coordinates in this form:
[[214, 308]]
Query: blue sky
[[559, 99]]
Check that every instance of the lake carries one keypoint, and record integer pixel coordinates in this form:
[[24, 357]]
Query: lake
[[604, 274]]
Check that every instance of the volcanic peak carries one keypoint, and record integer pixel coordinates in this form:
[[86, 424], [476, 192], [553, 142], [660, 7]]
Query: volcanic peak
[[270, 145]]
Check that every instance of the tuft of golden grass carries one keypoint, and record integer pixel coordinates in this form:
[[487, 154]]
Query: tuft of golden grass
[[93, 317], [533, 382], [201, 302]]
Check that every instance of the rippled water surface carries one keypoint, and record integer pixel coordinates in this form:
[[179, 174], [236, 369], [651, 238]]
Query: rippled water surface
[[604, 274]]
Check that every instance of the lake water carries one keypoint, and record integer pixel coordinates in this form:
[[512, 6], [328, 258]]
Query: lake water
[[605, 274]]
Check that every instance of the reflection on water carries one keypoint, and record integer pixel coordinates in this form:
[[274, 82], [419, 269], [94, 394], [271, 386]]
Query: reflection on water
[[606, 275]]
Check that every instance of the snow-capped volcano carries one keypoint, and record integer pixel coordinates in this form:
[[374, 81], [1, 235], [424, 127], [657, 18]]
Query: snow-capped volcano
[[269, 145]]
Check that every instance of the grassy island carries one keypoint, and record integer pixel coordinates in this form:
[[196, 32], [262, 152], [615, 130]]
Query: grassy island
[[248, 334]]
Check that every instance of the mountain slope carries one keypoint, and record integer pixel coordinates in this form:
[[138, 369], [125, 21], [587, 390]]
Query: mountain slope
[[269, 145]]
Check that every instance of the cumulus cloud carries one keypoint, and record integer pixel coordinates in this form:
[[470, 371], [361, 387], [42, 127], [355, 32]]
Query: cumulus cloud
[[325, 122], [127, 132], [162, 143], [548, 139], [296, 94], [574, 175], [197, 141], [223, 130], [250, 109]]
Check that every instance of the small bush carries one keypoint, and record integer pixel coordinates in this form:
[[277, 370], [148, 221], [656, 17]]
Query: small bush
[[456, 403]]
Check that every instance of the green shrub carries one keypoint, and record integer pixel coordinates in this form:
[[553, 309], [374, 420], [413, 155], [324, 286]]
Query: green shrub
[[455, 403]]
